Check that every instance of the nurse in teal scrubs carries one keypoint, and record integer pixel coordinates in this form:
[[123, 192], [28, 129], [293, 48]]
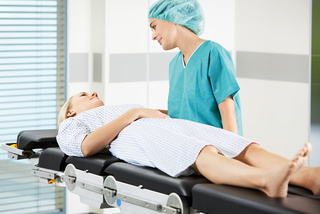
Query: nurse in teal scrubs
[[203, 86]]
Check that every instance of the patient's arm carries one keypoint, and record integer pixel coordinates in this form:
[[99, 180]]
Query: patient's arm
[[100, 138]]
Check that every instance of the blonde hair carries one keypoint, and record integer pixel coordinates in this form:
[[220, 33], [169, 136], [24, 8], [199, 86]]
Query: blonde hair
[[63, 111]]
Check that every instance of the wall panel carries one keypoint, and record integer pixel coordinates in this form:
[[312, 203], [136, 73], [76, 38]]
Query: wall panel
[[272, 40]]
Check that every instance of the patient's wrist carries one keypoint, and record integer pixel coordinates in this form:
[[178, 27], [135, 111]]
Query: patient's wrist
[[136, 113]]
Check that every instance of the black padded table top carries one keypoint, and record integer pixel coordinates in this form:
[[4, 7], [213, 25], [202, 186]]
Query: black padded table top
[[303, 192], [95, 164], [53, 158], [213, 198], [153, 179], [34, 139]]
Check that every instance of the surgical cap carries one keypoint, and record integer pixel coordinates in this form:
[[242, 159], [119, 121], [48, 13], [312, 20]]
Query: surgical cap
[[187, 13]]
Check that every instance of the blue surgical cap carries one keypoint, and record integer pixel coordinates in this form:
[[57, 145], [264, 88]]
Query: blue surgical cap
[[187, 13]]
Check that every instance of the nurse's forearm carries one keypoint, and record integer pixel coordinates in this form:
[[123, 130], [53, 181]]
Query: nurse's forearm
[[230, 124], [228, 115]]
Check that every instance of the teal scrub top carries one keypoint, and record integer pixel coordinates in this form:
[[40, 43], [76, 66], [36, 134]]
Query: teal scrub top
[[198, 88]]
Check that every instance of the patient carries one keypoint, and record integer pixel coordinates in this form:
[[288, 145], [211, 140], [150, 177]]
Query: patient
[[177, 147]]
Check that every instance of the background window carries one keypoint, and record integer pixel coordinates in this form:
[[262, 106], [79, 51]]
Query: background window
[[32, 64]]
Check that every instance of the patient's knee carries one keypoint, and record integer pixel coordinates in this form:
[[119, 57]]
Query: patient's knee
[[209, 149], [206, 152], [205, 158]]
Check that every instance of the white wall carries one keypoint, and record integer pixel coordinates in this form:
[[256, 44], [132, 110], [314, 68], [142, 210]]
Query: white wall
[[275, 113], [126, 32], [86, 34], [273, 26]]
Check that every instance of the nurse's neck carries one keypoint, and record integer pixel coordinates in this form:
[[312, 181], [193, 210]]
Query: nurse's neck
[[188, 42]]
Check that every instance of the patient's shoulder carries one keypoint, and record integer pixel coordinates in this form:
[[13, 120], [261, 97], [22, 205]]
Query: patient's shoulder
[[71, 123]]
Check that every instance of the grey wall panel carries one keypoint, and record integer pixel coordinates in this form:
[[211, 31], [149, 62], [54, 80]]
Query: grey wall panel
[[128, 67], [97, 67], [133, 67], [273, 66], [269, 66], [159, 66], [78, 67]]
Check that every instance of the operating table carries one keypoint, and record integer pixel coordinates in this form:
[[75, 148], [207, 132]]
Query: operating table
[[104, 181]]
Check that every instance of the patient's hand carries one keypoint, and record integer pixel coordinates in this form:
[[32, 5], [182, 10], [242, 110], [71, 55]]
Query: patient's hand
[[151, 113]]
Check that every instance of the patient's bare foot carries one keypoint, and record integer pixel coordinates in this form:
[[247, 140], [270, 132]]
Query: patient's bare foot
[[315, 180], [305, 151], [277, 178], [309, 177], [314, 173]]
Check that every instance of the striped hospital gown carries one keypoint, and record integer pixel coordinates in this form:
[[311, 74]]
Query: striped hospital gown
[[171, 145]]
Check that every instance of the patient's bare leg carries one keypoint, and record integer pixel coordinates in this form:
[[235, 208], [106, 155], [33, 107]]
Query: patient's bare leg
[[308, 177], [222, 170]]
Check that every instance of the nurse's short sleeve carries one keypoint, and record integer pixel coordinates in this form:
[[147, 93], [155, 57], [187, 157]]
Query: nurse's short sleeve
[[70, 136], [222, 74]]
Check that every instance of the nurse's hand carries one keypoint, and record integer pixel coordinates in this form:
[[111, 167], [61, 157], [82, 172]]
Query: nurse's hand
[[151, 113]]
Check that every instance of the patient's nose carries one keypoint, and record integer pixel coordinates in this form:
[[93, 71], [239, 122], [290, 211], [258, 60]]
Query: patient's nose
[[94, 94]]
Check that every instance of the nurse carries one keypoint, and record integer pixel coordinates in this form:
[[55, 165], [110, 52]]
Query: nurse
[[203, 86]]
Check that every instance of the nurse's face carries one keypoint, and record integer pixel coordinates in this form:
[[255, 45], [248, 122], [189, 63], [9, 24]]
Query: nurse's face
[[82, 102], [164, 32]]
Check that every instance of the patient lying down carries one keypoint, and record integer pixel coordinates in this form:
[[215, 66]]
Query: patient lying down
[[148, 137]]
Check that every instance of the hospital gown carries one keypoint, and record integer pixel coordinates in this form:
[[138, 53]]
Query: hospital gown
[[171, 145]]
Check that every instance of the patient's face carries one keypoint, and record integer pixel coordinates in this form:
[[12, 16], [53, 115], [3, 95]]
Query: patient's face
[[83, 101]]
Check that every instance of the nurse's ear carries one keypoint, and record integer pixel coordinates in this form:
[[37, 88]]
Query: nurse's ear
[[71, 113]]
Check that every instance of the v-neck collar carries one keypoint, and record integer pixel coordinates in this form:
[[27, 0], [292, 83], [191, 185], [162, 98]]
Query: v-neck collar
[[184, 66]]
